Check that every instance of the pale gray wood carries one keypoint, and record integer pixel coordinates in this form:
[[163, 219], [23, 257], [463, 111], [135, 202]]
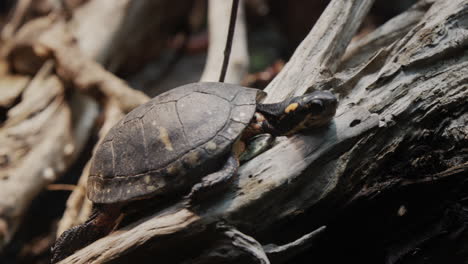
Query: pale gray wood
[[361, 50], [281, 253], [318, 56]]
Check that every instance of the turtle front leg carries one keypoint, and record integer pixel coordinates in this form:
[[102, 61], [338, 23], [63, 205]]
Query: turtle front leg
[[257, 145], [215, 182], [99, 224]]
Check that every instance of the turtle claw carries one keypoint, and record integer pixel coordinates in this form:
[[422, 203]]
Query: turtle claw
[[202, 191], [215, 182], [195, 195]]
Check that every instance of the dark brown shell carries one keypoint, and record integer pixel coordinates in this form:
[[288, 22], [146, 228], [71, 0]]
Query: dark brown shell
[[169, 143]]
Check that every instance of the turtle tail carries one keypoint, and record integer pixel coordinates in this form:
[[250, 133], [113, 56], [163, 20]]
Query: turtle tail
[[98, 225]]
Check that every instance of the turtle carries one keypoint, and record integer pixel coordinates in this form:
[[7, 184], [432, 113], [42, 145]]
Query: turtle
[[183, 143]]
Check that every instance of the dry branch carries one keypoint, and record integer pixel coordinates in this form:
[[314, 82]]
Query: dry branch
[[17, 18], [39, 142], [11, 88], [43, 39]]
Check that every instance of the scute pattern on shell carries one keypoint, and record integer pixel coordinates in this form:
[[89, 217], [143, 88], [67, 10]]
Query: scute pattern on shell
[[171, 142]]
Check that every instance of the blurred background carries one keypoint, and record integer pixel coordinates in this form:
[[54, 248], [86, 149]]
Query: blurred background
[[166, 49]]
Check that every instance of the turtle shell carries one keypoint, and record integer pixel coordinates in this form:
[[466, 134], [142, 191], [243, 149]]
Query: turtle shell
[[168, 144]]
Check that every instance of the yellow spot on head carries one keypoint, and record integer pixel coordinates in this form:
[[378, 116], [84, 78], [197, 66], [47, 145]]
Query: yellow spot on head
[[291, 107], [164, 137]]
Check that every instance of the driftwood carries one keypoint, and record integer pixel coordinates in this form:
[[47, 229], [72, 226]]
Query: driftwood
[[397, 147]]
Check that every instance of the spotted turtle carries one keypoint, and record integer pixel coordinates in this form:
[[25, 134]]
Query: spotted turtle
[[186, 141]]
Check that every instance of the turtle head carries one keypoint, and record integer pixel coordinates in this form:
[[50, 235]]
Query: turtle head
[[307, 111]]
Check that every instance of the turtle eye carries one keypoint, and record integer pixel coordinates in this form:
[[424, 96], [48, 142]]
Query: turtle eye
[[316, 106]]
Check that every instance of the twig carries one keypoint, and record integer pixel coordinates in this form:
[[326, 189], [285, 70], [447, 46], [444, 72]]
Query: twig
[[21, 9], [231, 30], [61, 187], [239, 59], [279, 254]]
